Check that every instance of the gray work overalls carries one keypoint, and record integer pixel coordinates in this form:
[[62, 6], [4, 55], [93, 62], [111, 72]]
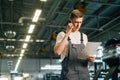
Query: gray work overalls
[[72, 67]]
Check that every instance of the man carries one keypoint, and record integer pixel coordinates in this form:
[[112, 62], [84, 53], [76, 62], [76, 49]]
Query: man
[[69, 45]]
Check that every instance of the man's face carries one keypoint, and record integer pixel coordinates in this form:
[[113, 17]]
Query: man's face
[[76, 23]]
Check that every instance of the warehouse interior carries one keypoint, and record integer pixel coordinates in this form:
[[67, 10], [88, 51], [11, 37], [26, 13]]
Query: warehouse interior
[[27, 39]]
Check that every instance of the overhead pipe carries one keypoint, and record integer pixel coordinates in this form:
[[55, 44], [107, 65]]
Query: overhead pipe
[[28, 18], [20, 21], [23, 18], [10, 23]]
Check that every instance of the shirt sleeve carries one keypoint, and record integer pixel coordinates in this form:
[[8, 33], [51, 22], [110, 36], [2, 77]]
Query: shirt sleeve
[[85, 38], [60, 37]]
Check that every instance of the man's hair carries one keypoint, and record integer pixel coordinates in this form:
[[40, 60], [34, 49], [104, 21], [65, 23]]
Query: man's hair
[[75, 14]]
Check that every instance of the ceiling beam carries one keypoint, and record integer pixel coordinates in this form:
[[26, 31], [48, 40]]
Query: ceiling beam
[[88, 15], [53, 9], [103, 3], [110, 22], [106, 25], [10, 23]]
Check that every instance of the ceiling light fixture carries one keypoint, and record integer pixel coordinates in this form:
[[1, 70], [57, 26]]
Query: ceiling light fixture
[[51, 67], [25, 45], [10, 47], [22, 51], [118, 32], [43, 0], [22, 54], [18, 62], [10, 34], [27, 38], [40, 40], [36, 15], [32, 26]]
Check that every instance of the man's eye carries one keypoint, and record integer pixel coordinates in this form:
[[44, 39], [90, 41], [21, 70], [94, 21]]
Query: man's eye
[[77, 22]]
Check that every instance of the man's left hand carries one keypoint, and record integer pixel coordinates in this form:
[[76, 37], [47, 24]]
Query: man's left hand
[[91, 58]]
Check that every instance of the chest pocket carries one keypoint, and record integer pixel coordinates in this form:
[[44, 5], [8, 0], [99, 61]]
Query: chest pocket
[[74, 50]]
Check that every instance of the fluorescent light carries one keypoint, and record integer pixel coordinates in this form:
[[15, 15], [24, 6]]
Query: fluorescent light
[[32, 26], [26, 75], [18, 78], [40, 40], [43, 0], [51, 67], [25, 45], [18, 62], [27, 38], [36, 15], [20, 58], [22, 54], [59, 60], [47, 68], [3, 78], [22, 51]]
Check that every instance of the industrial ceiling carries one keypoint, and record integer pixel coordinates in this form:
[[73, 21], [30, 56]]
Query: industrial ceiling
[[101, 23]]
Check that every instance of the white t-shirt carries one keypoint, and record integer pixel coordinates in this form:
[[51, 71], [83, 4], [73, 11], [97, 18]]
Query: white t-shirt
[[75, 39]]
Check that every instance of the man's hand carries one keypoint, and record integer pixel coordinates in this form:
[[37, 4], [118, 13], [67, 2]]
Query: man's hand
[[91, 58], [69, 28]]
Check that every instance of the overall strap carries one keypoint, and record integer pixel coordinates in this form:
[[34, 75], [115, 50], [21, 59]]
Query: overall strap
[[69, 42], [81, 37], [68, 36]]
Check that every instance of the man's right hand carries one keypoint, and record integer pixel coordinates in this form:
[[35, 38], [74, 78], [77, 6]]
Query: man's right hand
[[69, 28]]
